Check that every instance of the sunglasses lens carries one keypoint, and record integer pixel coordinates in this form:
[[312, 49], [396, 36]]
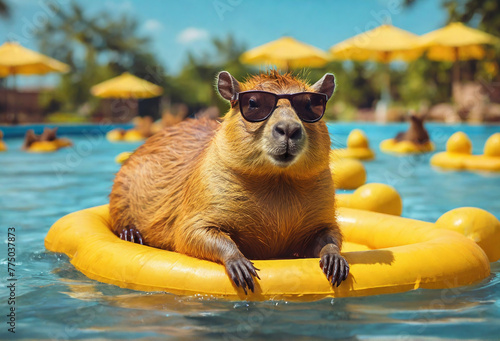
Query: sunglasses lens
[[256, 106], [309, 106]]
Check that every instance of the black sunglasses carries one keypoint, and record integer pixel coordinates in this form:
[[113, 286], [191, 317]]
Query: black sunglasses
[[257, 106]]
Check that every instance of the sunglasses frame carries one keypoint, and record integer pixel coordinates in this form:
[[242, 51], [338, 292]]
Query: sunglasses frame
[[277, 97]]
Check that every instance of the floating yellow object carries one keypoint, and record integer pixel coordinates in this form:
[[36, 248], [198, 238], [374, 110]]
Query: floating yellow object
[[3, 146], [122, 157], [405, 147], [478, 225], [119, 135], [373, 197], [358, 147], [458, 154], [347, 173], [49, 146], [393, 255]]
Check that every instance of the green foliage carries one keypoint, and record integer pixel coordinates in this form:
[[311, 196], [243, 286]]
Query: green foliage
[[101, 46], [97, 48], [65, 117], [195, 84], [424, 82]]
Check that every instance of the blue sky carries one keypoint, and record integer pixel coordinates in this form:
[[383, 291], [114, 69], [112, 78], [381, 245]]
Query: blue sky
[[187, 25]]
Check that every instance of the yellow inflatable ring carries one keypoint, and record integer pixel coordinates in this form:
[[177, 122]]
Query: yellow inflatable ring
[[358, 147], [133, 135], [372, 197], [122, 157], [49, 146], [405, 147], [347, 173], [117, 135], [3, 146], [458, 154], [387, 254], [43, 147]]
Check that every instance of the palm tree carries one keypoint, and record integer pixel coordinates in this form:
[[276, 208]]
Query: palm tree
[[84, 41]]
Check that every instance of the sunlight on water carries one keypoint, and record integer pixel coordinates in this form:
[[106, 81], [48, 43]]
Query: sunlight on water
[[57, 302]]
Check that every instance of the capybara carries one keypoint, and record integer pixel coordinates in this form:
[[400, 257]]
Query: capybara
[[254, 186], [416, 133], [29, 138], [49, 134]]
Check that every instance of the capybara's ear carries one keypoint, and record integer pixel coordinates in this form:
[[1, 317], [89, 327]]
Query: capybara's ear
[[415, 118], [227, 85], [325, 85]]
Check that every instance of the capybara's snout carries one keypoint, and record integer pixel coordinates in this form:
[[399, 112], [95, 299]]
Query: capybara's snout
[[287, 132], [285, 141]]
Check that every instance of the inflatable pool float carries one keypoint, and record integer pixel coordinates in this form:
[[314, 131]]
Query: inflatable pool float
[[120, 135], [405, 147], [459, 156], [347, 173], [386, 254], [358, 147], [372, 197], [122, 157], [3, 146], [49, 146]]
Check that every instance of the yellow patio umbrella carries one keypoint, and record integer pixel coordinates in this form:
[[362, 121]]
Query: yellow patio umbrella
[[383, 44], [286, 53], [18, 60], [126, 86], [456, 42]]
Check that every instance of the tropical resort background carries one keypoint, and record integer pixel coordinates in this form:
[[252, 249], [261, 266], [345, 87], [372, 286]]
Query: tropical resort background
[[451, 75], [91, 70]]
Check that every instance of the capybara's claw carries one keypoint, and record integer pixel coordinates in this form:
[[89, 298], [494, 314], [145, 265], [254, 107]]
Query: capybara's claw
[[131, 234], [240, 271], [335, 268]]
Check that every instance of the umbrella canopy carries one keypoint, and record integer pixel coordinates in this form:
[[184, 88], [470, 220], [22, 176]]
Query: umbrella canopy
[[18, 60], [286, 53], [126, 86], [456, 42], [382, 44]]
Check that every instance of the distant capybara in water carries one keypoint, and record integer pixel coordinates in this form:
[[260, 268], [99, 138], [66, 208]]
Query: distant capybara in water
[[49, 134], [29, 138], [256, 186], [416, 133]]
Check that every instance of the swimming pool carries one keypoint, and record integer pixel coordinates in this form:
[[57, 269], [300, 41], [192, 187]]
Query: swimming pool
[[54, 301]]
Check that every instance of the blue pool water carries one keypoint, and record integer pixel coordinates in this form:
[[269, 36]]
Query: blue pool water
[[54, 301]]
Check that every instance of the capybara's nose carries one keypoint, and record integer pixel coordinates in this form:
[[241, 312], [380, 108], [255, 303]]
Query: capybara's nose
[[287, 130]]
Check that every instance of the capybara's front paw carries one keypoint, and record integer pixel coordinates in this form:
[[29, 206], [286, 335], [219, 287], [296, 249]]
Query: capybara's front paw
[[131, 234], [335, 267], [241, 270]]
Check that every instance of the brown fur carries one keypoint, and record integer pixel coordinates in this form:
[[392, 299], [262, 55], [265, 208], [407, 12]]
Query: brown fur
[[29, 138], [199, 185], [416, 133], [49, 134]]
